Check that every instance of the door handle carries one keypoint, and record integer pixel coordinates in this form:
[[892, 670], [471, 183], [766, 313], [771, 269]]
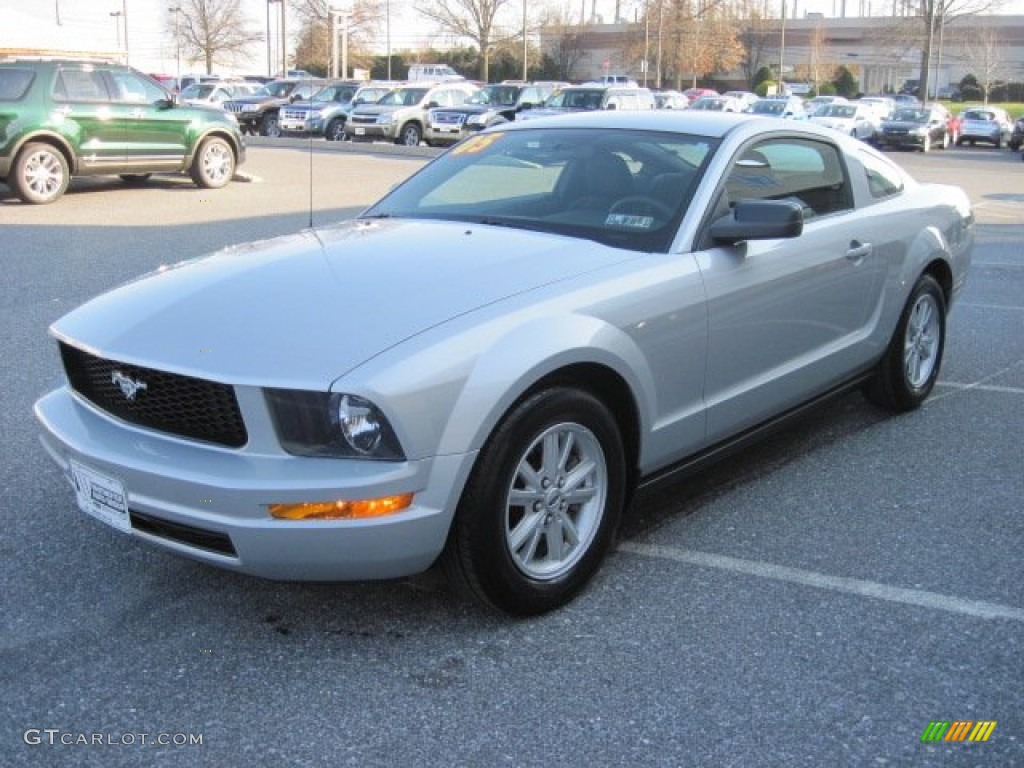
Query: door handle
[[858, 251]]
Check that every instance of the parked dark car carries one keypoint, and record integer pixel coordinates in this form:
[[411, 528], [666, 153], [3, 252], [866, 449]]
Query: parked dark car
[[260, 113], [920, 128], [491, 105], [65, 118], [1017, 136]]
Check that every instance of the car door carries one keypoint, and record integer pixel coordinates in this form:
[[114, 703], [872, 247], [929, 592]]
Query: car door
[[154, 131], [788, 318], [83, 110]]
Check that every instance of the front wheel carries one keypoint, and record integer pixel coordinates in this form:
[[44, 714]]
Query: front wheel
[[410, 136], [214, 164], [335, 130], [907, 371], [269, 125], [40, 174], [542, 505]]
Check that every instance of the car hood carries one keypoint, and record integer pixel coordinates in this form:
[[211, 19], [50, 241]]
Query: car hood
[[378, 110], [300, 311]]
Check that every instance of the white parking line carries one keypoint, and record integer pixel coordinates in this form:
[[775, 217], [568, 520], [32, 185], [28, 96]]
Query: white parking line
[[982, 387], [919, 597]]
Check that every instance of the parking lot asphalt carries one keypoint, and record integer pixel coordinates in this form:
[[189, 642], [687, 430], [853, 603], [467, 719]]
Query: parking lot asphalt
[[818, 599]]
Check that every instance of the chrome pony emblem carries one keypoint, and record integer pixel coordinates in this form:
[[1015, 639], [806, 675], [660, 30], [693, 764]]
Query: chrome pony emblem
[[129, 386]]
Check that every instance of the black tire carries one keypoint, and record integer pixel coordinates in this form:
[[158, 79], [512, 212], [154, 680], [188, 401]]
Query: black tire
[[40, 174], [135, 178], [910, 366], [214, 164], [410, 136], [335, 130], [269, 126], [513, 495]]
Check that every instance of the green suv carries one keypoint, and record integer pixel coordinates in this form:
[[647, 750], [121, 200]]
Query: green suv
[[62, 118]]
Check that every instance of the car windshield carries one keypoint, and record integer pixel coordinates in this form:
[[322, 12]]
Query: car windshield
[[978, 114], [339, 93], [279, 90], [404, 97], [716, 105], [196, 91], [911, 115], [768, 107], [505, 95], [576, 99], [837, 110], [478, 97], [624, 188]]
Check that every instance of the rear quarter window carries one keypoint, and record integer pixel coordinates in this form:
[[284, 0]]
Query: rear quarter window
[[14, 83]]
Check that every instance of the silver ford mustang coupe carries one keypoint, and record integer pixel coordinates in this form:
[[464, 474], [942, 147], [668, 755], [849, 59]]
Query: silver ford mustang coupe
[[483, 366]]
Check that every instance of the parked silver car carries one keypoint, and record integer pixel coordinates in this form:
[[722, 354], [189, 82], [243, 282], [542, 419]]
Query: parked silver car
[[989, 125], [485, 364]]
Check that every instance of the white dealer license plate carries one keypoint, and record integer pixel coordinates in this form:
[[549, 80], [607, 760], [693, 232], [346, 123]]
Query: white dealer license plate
[[101, 496], [360, 131]]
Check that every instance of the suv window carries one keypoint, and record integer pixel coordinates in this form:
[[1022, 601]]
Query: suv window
[[134, 89], [80, 85], [14, 83]]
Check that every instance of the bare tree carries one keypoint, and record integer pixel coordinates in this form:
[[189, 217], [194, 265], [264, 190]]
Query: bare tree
[[213, 31], [985, 55], [313, 49], [754, 34], [933, 15], [474, 20]]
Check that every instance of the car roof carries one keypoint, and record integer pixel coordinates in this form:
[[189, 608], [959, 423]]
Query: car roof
[[701, 123]]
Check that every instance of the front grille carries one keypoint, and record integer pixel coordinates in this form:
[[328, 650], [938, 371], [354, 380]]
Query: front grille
[[448, 118], [364, 119], [167, 402]]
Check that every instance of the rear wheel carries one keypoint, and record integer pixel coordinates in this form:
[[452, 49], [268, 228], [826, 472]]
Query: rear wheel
[[214, 164], [910, 365], [40, 174], [540, 510]]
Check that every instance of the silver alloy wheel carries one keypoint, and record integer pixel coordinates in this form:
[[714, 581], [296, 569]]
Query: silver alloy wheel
[[218, 163], [554, 505], [922, 341], [44, 173]]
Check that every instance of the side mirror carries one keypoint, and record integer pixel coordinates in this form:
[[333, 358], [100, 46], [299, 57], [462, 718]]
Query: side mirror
[[433, 104], [759, 220]]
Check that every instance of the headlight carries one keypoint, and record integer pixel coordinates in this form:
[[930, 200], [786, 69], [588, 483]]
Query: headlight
[[332, 424], [384, 119], [918, 131], [480, 119], [250, 107]]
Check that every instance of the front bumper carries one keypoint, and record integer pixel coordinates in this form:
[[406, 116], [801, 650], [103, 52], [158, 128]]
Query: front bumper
[[900, 140], [210, 503], [371, 131]]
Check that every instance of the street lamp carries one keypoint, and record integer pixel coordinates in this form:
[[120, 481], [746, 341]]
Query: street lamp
[[117, 25], [270, 65], [176, 10]]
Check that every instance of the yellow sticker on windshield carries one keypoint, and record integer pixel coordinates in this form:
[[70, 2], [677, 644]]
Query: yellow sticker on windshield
[[476, 144]]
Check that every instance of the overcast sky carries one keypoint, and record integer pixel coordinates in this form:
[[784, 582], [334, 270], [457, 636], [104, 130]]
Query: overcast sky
[[89, 25]]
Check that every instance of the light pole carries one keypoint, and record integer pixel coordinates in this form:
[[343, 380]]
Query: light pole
[[117, 25], [525, 50], [176, 10], [387, 32], [270, 64], [343, 14], [782, 49]]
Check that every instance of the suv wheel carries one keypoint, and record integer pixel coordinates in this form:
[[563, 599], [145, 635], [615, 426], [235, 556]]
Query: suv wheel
[[410, 136], [335, 130], [269, 125], [40, 174], [214, 164]]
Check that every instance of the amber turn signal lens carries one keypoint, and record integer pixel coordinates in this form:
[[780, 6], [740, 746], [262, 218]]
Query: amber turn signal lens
[[341, 510]]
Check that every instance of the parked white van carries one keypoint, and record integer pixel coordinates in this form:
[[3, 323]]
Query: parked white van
[[436, 73]]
